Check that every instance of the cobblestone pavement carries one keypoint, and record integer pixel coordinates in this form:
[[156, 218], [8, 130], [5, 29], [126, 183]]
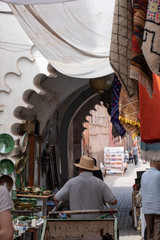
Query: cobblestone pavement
[[122, 187]]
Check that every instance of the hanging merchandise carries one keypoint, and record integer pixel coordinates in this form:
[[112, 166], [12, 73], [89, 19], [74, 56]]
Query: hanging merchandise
[[150, 119], [20, 164], [6, 143], [139, 68], [151, 43], [150, 112], [6, 166], [24, 142], [115, 108], [121, 44], [18, 181], [128, 113]]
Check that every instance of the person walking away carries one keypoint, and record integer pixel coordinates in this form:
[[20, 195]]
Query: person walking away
[[150, 193], [135, 154], [85, 191], [6, 227]]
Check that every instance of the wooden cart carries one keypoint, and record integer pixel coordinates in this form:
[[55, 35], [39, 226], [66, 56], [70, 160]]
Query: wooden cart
[[81, 229]]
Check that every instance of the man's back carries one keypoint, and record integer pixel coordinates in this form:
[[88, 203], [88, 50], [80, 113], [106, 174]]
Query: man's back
[[86, 192]]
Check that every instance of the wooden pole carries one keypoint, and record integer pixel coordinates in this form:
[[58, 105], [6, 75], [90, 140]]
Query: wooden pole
[[39, 161], [31, 141]]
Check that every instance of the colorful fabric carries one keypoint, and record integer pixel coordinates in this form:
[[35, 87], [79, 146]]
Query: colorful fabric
[[139, 68], [150, 112], [151, 40], [121, 44], [115, 107], [128, 113]]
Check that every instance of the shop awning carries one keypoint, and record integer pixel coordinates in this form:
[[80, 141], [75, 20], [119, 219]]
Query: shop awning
[[74, 35]]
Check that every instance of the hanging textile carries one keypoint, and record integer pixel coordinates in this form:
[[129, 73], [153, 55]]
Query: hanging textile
[[151, 41], [128, 113], [121, 44], [139, 68], [115, 107], [74, 36], [150, 112], [150, 119], [150, 151]]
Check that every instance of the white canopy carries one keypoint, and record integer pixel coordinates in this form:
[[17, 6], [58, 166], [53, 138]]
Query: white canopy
[[32, 2], [74, 35]]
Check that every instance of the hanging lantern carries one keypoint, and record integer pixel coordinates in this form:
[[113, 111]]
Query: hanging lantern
[[101, 84]]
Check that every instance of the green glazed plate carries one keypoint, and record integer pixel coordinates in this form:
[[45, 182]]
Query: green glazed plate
[[6, 143], [6, 166]]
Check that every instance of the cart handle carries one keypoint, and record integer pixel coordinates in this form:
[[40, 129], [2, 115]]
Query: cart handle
[[110, 211]]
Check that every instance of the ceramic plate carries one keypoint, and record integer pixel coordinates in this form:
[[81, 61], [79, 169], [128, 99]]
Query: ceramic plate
[[24, 142], [6, 166], [20, 164], [7, 181], [6, 143]]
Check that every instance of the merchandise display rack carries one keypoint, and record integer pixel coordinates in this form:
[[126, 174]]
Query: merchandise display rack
[[114, 160]]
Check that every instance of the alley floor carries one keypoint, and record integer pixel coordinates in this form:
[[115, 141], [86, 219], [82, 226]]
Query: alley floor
[[122, 187]]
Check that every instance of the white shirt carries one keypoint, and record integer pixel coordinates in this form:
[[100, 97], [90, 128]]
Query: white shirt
[[5, 199], [85, 192], [150, 190]]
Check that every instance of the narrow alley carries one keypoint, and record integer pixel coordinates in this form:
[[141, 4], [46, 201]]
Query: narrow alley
[[122, 186]]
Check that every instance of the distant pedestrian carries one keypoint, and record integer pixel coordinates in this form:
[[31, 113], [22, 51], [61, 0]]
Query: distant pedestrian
[[135, 154], [150, 193]]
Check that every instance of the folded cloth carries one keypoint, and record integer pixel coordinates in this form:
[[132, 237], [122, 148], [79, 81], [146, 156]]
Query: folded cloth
[[115, 108], [121, 44], [139, 69], [151, 42], [128, 113], [150, 112]]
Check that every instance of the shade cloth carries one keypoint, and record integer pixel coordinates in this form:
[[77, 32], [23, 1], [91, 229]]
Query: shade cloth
[[151, 42], [128, 113], [121, 44], [26, 2], [139, 68], [74, 36]]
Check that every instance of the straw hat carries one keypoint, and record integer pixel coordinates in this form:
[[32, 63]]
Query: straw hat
[[86, 163]]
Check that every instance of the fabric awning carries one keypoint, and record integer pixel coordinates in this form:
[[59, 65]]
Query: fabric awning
[[74, 36], [32, 2]]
